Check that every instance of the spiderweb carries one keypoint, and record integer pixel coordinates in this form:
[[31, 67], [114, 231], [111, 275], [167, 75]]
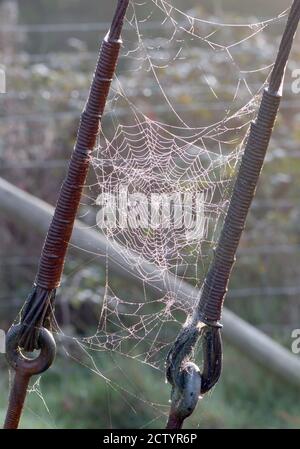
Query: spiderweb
[[163, 171]]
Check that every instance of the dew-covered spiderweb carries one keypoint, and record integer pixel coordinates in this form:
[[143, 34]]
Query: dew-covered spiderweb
[[186, 89]]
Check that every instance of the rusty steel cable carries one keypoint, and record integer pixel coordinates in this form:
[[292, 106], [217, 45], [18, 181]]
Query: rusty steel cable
[[205, 323], [37, 313]]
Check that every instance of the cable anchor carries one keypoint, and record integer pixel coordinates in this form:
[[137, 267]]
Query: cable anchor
[[25, 368]]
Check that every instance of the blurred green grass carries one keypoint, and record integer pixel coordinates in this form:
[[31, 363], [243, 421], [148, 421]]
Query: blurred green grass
[[246, 397]]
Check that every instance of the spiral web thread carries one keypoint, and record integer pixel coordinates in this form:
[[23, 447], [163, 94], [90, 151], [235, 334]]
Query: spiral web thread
[[164, 136]]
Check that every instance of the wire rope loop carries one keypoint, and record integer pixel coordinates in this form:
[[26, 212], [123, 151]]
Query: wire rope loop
[[23, 364], [185, 396]]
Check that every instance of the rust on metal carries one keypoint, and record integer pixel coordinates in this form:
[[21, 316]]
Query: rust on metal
[[39, 307], [210, 305], [24, 369], [37, 314]]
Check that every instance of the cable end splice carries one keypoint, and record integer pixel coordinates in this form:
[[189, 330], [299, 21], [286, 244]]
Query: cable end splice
[[185, 397], [37, 313], [188, 382]]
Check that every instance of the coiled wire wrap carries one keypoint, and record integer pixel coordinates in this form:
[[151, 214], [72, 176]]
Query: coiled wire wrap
[[215, 284], [208, 311], [39, 306], [54, 250], [32, 332]]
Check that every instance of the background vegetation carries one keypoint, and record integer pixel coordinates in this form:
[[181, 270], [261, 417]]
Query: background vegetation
[[47, 83]]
